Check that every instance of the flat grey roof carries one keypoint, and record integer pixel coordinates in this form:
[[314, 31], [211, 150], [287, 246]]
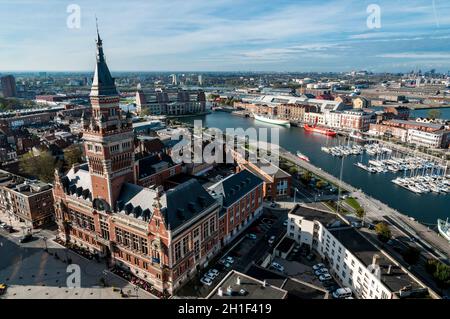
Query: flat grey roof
[[254, 288], [325, 218], [364, 251], [295, 289]]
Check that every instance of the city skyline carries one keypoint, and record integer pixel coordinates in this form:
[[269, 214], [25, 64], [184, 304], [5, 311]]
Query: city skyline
[[227, 36]]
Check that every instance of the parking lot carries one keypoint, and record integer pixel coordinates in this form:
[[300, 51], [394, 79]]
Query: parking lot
[[248, 247], [299, 266]]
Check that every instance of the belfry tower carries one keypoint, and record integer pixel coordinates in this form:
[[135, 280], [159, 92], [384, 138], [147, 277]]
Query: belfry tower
[[108, 136]]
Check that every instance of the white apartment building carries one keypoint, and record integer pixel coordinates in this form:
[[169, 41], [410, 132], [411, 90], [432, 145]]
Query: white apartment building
[[435, 139], [349, 120], [353, 260]]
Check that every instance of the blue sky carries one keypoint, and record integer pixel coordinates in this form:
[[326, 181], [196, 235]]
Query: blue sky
[[227, 35]]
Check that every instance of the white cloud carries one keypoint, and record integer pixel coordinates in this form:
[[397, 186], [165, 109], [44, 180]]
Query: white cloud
[[414, 55]]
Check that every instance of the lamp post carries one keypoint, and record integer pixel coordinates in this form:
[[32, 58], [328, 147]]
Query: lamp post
[[295, 194], [136, 289], [45, 243]]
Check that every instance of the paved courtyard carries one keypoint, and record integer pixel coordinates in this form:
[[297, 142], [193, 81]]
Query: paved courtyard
[[31, 272]]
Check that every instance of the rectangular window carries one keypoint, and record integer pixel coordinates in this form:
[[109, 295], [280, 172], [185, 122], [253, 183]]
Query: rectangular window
[[104, 229], [212, 226], [119, 237], [143, 244], [126, 238], [196, 232], [205, 230], [177, 251], [135, 242], [185, 241]]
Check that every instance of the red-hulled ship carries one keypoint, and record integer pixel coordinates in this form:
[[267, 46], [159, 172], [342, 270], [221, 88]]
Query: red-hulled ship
[[322, 130]]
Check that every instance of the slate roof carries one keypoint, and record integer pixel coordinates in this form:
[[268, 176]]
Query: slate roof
[[235, 186], [77, 181], [185, 202], [103, 82], [178, 205], [146, 165]]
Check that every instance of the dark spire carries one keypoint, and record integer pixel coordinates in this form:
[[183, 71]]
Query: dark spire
[[103, 82]]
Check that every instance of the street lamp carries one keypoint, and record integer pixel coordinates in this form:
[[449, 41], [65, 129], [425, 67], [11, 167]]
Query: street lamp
[[45, 242]]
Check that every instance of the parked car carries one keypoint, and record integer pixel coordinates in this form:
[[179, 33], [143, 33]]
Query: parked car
[[310, 257], [277, 266], [229, 260], [271, 240], [211, 275], [325, 277], [342, 293], [215, 272], [273, 205], [251, 236], [318, 266], [321, 271], [357, 224], [26, 238], [285, 223], [3, 225], [206, 281]]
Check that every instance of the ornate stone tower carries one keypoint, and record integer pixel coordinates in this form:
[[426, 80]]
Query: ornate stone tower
[[108, 136]]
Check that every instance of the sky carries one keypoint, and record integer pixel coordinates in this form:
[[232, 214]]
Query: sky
[[227, 35]]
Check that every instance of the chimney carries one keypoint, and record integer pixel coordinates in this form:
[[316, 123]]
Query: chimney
[[264, 283], [375, 259], [220, 291], [238, 280], [389, 269], [160, 190], [229, 290]]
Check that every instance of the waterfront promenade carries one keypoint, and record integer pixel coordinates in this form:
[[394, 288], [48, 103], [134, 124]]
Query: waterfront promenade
[[377, 210]]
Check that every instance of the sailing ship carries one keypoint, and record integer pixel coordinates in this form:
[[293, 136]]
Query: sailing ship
[[271, 120]]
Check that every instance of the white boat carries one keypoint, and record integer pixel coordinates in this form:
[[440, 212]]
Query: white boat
[[444, 228], [325, 149], [302, 156], [271, 120]]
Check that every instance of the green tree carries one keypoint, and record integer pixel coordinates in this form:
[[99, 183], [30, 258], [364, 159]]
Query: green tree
[[41, 166], [306, 177], [320, 184], [73, 155], [411, 255], [359, 212], [293, 170], [434, 114], [439, 271], [383, 231]]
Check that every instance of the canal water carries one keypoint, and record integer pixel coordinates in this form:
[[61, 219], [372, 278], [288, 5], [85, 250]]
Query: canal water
[[425, 208], [445, 113]]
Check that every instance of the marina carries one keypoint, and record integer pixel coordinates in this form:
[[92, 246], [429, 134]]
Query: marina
[[426, 208]]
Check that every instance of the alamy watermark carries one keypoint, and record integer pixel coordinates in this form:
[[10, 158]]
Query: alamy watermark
[[73, 20], [212, 145], [74, 278], [374, 18]]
